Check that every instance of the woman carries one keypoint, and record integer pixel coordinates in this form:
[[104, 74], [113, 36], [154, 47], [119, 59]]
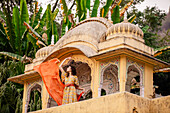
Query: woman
[[71, 83]]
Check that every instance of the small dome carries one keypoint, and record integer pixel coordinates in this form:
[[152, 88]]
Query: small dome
[[124, 29], [88, 31], [43, 52]]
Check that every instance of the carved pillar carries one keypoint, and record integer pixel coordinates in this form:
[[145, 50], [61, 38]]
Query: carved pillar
[[96, 80], [148, 81], [45, 97], [24, 107], [122, 83]]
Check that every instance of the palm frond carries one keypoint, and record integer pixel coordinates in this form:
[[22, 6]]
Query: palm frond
[[12, 55]]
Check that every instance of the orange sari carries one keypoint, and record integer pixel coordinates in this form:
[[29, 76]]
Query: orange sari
[[49, 72]]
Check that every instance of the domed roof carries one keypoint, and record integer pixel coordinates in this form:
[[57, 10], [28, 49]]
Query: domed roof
[[43, 52], [88, 31], [124, 29]]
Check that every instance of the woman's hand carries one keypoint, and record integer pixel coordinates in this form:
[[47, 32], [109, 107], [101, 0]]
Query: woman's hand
[[68, 58], [83, 89]]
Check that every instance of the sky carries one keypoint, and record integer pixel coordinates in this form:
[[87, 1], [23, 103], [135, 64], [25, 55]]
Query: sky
[[161, 4]]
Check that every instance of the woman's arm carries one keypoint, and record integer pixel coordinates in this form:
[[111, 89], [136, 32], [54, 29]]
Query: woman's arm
[[60, 67], [80, 88]]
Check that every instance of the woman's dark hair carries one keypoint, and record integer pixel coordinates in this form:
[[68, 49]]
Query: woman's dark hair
[[73, 69]]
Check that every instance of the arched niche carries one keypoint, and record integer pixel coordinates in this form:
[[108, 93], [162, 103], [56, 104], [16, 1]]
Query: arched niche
[[83, 73], [134, 80], [33, 87], [109, 79]]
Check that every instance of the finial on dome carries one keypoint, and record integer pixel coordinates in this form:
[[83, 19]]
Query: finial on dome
[[125, 15], [125, 21]]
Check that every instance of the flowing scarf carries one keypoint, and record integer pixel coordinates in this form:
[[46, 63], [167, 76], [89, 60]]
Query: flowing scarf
[[49, 72]]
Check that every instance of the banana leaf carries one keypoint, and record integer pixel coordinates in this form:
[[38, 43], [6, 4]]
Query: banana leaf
[[34, 14], [84, 10], [145, 29], [67, 20], [40, 29], [79, 10], [88, 4], [37, 17], [24, 14], [9, 30], [95, 8], [3, 40], [32, 40], [116, 2], [17, 26], [12, 55], [54, 27], [115, 15], [132, 18], [55, 14], [48, 24], [56, 36], [106, 8], [64, 24], [161, 50], [64, 6], [2, 15]]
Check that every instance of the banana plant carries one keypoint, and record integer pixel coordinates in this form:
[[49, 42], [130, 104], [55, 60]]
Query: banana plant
[[84, 5], [17, 34], [48, 20]]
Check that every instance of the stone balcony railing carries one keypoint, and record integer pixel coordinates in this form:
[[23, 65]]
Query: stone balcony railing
[[123, 102]]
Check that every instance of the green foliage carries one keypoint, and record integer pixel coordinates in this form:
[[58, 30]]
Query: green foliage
[[106, 8], [95, 8], [12, 55], [144, 29], [65, 7], [79, 10], [24, 14], [116, 15], [162, 80], [10, 93], [88, 4], [35, 103], [50, 24]]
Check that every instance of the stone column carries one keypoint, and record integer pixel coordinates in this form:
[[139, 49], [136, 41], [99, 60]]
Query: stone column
[[96, 80], [148, 81], [24, 106], [123, 72], [45, 97]]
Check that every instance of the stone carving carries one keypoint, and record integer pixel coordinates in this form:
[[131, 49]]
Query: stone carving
[[109, 76], [134, 69]]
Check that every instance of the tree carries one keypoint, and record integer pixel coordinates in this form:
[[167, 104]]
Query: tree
[[10, 93], [151, 17]]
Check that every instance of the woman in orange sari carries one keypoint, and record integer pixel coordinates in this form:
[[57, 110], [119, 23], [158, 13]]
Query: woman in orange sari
[[71, 83]]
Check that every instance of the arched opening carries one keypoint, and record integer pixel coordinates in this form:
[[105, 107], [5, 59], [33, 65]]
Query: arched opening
[[134, 80], [34, 101], [109, 80], [87, 95], [84, 76], [103, 92]]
